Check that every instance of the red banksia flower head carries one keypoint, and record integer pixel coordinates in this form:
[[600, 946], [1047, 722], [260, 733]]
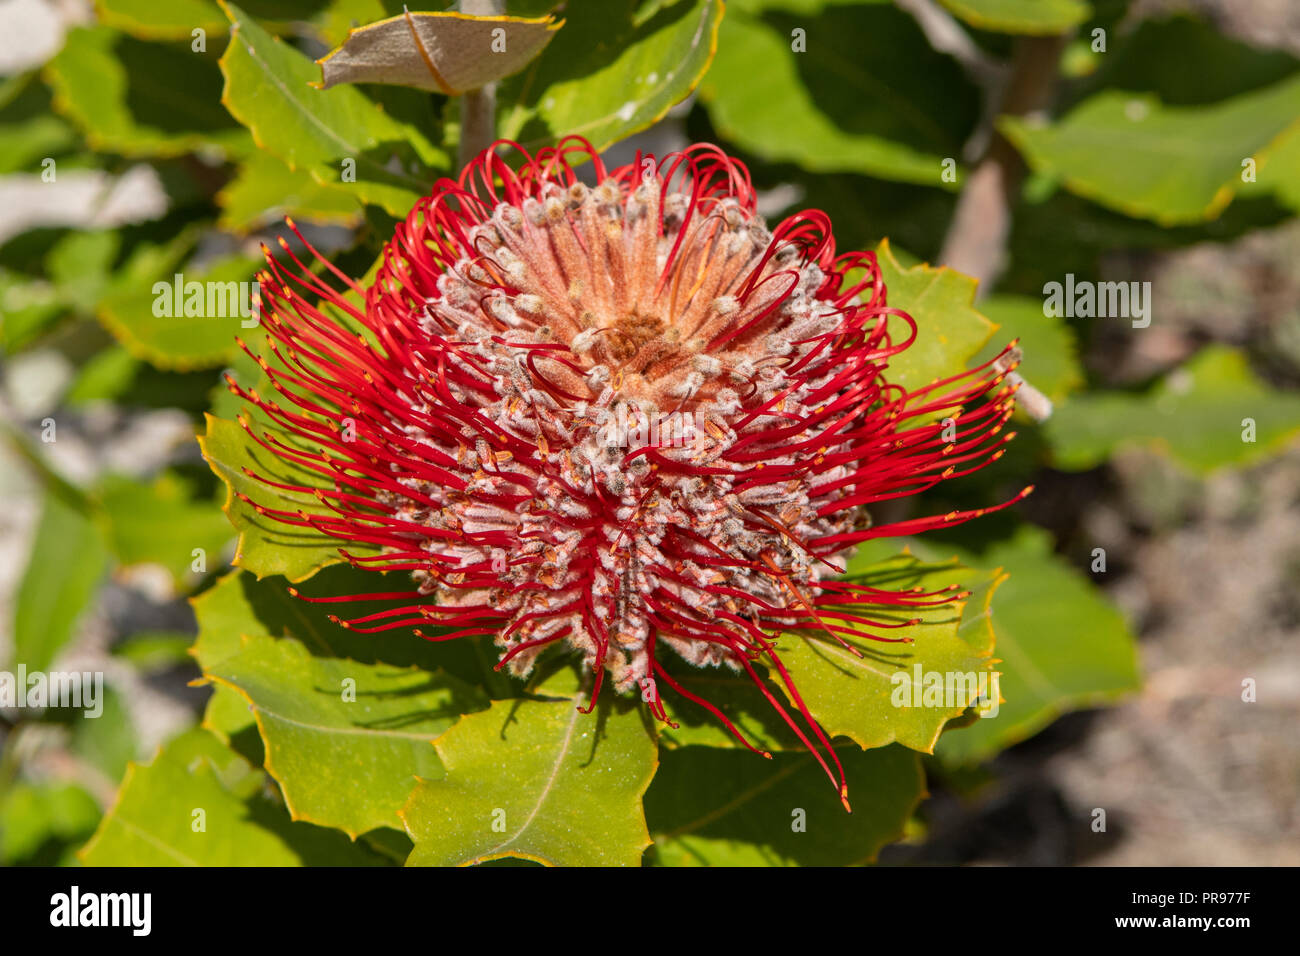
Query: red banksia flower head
[[620, 415]]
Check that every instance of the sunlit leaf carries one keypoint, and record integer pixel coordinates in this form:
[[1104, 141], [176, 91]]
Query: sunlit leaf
[[1169, 164], [185, 319], [265, 190], [537, 780], [950, 331], [884, 695], [239, 604], [110, 85], [1051, 362], [267, 546], [199, 804], [329, 723], [1061, 645], [178, 19], [340, 136], [615, 68]]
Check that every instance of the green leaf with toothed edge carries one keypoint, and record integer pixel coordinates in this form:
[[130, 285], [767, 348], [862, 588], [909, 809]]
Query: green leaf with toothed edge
[[949, 329], [615, 68], [713, 807], [328, 722], [112, 87], [267, 546], [240, 604], [265, 190], [197, 803], [538, 780], [846, 695], [1170, 164], [905, 692], [1085, 658], [732, 693], [328, 133]]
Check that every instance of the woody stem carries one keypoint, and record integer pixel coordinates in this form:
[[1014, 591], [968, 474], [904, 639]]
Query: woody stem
[[478, 107]]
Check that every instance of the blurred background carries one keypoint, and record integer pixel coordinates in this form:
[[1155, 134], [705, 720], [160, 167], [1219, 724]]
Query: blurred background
[[1155, 573]]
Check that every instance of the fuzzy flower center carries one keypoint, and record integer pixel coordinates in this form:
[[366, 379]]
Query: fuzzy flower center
[[622, 335]]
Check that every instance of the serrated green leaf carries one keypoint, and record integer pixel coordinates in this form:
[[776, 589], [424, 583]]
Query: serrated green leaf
[[1051, 362], [322, 131], [161, 523], [1197, 414], [222, 300], [879, 698], [841, 104], [711, 807], [154, 820], [64, 569], [111, 86], [1169, 164], [1021, 16], [949, 329], [329, 723], [537, 780], [265, 190], [240, 604], [614, 69], [1061, 645], [734, 695], [267, 546]]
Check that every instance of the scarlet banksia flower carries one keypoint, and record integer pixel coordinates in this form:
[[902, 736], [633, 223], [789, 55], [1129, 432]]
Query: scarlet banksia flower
[[623, 416]]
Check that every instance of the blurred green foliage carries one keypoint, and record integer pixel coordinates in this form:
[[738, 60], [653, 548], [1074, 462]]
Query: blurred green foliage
[[840, 105]]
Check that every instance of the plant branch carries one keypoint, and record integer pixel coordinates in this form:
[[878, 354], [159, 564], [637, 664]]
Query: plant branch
[[947, 36], [977, 236], [478, 107]]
